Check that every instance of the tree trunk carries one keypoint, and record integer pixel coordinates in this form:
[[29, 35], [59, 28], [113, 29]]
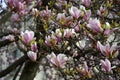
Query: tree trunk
[[29, 71]]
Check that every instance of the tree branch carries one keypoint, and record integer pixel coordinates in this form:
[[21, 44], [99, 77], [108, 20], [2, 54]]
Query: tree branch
[[13, 66], [7, 42], [17, 72]]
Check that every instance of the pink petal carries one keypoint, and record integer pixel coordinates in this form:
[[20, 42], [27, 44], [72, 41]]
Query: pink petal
[[108, 64], [32, 55]]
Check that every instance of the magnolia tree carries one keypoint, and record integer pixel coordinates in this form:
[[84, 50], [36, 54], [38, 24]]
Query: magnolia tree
[[63, 39]]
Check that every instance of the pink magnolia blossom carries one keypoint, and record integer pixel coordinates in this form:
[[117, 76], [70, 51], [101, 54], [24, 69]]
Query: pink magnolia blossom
[[86, 2], [59, 60], [18, 6], [63, 19], [12, 3], [21, 6], [95, 25], [107, 51], [69, 33], [61, 16], [48, 40], [32, 55], [51, 40], [22, 9], [27, 37], [102, 11], [106, 65], [86, 71], [34, 47], [75, 12], [87, 15], [46, 13], [58, 34]]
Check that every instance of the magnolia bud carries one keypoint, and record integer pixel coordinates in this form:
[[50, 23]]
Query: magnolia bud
[[32, 55]]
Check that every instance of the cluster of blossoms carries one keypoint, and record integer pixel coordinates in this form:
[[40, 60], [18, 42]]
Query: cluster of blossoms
[[59, 36], [19, 7], [92, 24], [59, 60], [28, 39], [107, 51], [95, 26], [71, 36]]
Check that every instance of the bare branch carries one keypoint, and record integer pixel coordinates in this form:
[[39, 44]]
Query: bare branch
[[13, 66]]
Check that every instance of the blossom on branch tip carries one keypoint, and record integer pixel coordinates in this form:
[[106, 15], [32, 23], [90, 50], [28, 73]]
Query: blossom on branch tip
[[86, 71], [102, 11], [87, 15], [69, 33], [107, 50], [34, 47], [27, 37], [86, 2], [12, 3], [51, 40], [75, 12], [32, 55], [58, 34], [95, 25], [59, 60], [18, 6], [106, 65], [46, 13]]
